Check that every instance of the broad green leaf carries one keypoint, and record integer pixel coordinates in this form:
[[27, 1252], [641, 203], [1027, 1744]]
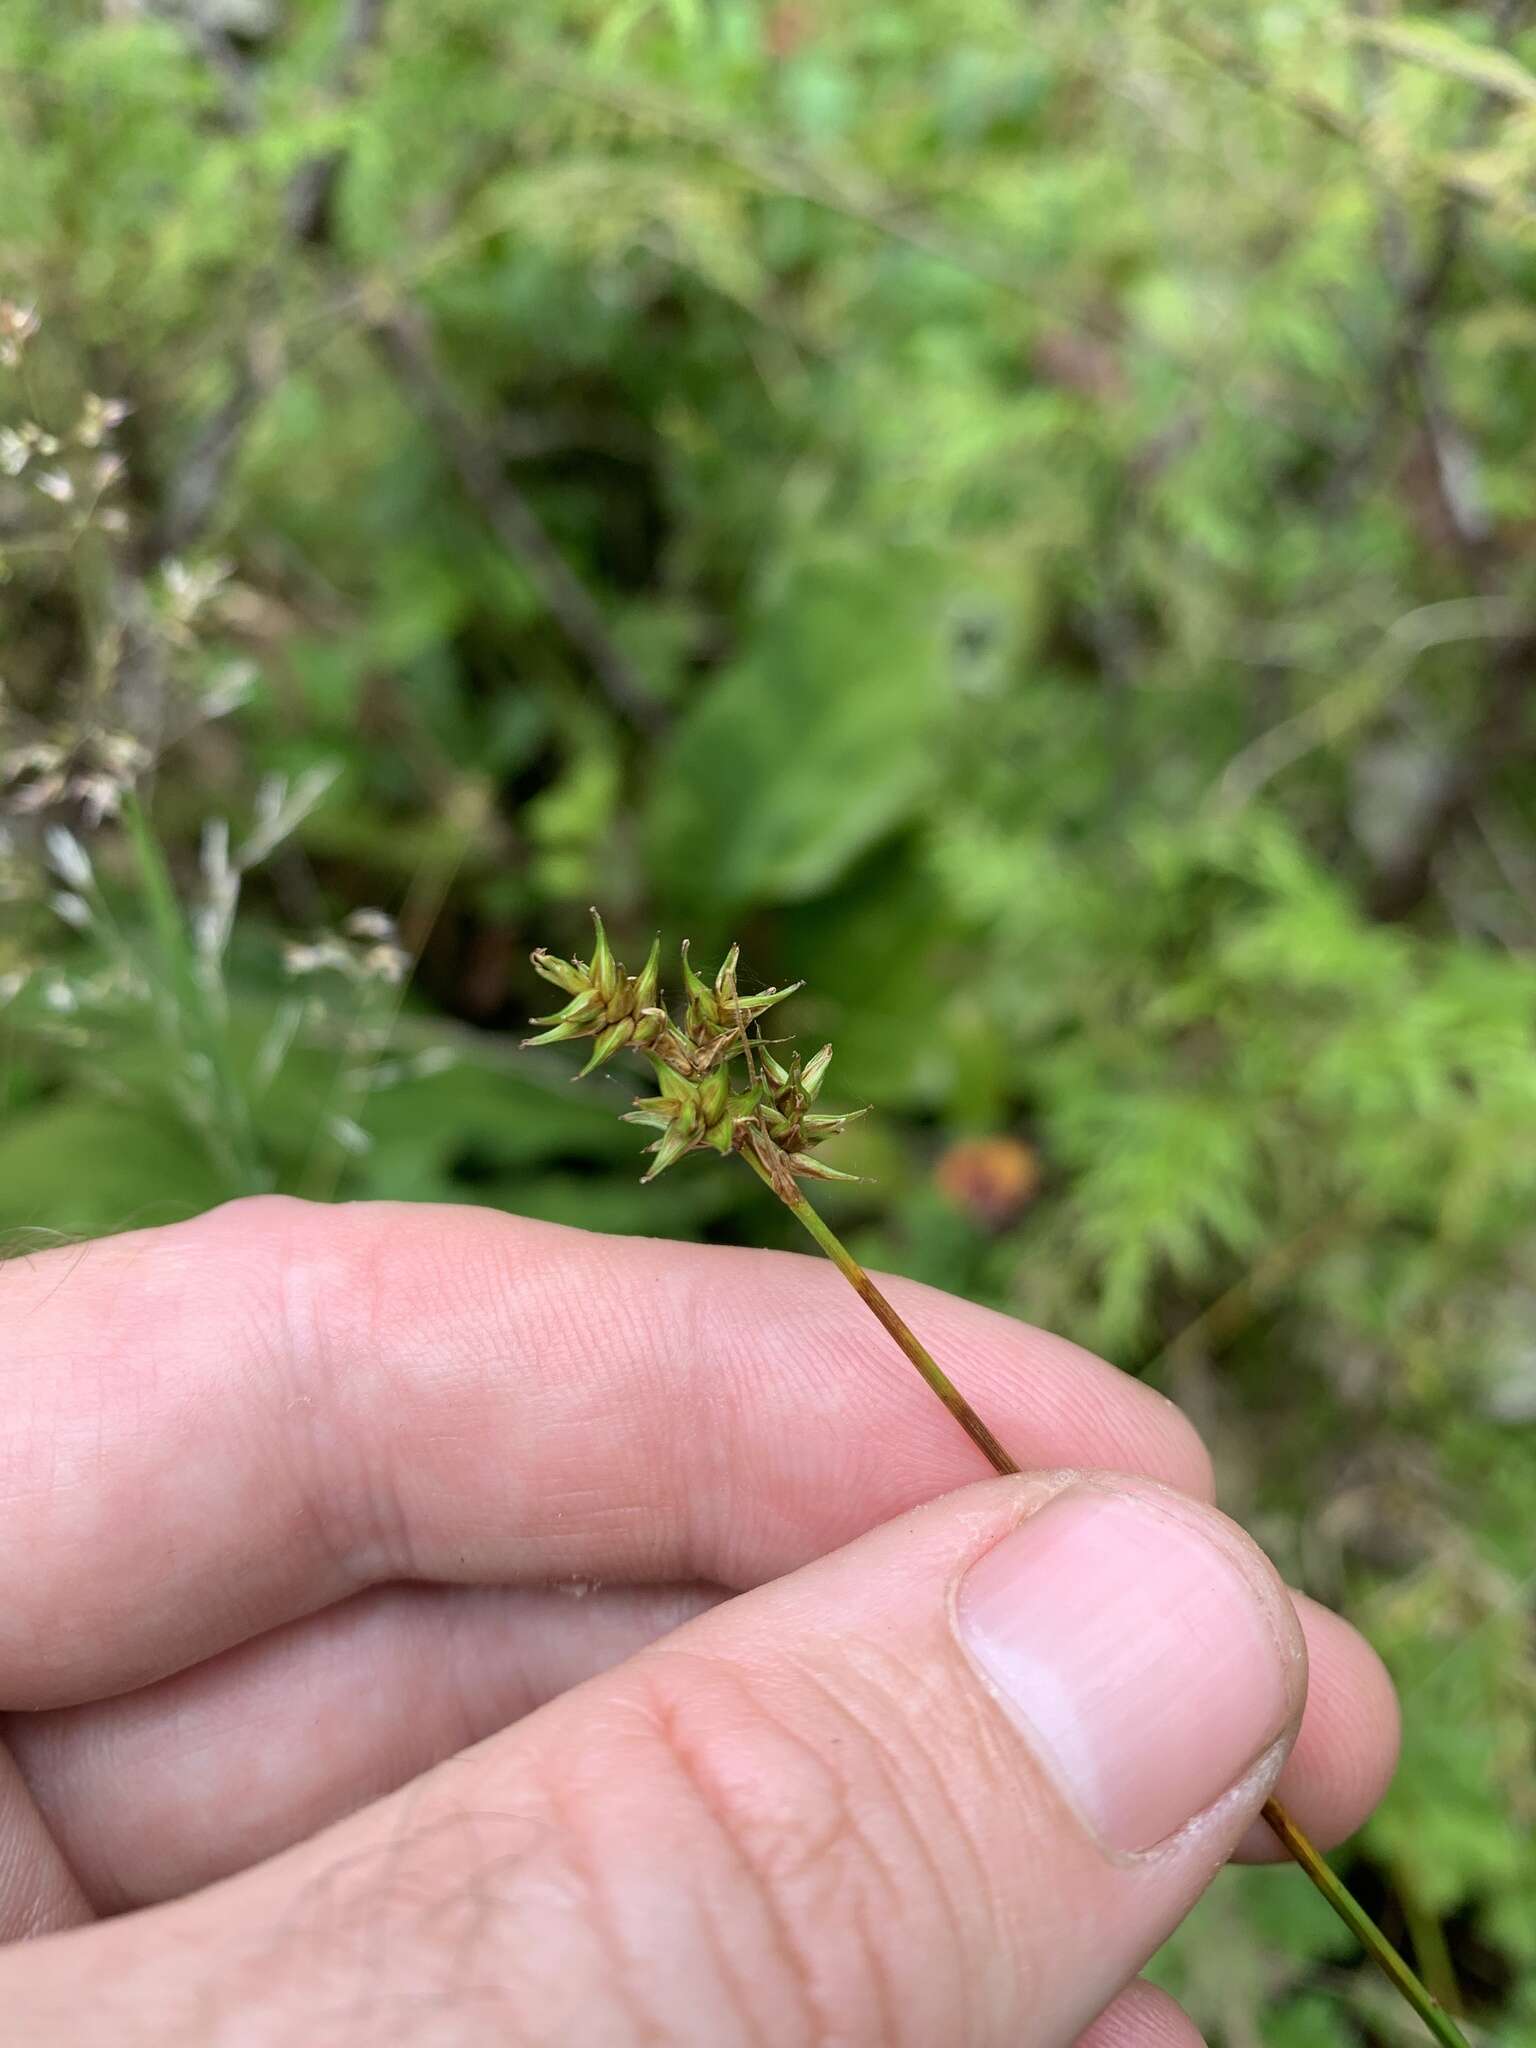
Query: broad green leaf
[[87, 1167], [815, 743]]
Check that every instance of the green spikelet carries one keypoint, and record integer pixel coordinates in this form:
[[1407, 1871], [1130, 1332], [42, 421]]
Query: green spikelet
[[608, 1005], [719, 1087], [722, 1009]]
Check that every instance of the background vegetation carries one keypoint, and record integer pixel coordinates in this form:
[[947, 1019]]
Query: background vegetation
[[1023, 515]]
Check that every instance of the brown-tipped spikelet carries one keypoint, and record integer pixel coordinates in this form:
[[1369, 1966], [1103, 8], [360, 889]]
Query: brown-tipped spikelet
[[691, 1114], [716, 1016], [615, 1008], [719, 1087], [786, 1116]]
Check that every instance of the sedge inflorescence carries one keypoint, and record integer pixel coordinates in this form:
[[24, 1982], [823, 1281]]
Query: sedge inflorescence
[[719, 1087]]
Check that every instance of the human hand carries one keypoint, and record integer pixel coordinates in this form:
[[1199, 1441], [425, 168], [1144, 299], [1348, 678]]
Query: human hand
[[367, 1622]]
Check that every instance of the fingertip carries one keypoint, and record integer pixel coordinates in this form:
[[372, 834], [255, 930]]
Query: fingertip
[[1146, 1649], [1143, 2016], [1347, 1747]]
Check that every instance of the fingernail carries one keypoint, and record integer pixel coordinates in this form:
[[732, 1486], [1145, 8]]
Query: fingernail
[[1148, 1666]]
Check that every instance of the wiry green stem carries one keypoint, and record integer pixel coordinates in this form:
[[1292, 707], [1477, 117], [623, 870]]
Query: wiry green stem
[[877, 1304], [1364, 1928], [1332, 1887]]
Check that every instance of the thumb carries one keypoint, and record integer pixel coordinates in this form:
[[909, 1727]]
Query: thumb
[[953, 1783], [962, 1778]]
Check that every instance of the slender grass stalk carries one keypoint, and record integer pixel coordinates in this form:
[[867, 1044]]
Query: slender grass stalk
[[382, 1006], [1364, 1928], [1327, 1881]]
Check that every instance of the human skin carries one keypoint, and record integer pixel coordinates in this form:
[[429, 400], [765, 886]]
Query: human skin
[[426, 1625]]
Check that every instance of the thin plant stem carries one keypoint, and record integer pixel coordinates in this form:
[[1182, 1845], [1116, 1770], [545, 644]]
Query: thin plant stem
[[1327, 1881], [881, 1309], [1364, 1928]]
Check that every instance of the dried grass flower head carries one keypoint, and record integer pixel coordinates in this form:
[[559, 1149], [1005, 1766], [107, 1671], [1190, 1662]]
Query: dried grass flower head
[[18, 324]]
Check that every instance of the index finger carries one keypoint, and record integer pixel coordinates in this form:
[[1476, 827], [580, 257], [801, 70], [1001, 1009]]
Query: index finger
[[208, 1429]]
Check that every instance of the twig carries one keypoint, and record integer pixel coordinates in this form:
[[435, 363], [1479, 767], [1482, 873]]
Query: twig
[[1234, 62], [1232, 1311], [1403, 883], [1322, 114], [194, 490], [194, 493], [401, 339], [1367, 693], [311, 196], [1453, 469]]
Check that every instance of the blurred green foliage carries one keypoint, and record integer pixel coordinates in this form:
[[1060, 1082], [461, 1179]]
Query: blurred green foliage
[[1025, 518]]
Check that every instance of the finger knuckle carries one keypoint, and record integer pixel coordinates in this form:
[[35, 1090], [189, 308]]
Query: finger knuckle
[[819, 1814]]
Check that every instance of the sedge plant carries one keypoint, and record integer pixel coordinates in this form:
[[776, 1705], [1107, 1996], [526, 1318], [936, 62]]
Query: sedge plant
[[720, 1088]]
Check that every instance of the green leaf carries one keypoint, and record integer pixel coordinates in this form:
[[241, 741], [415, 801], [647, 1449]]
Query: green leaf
[[814, 744], [91, 1167]]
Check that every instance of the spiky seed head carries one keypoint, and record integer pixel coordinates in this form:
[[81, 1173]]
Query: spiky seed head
[[720, 1009], [786, 1115], [814, 1072], [602, 967], [608, 1005], [698, 1104], [691, 1114]]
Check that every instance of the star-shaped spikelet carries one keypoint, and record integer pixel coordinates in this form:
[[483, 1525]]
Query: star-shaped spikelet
[[719, 1088], [615, 1008]]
